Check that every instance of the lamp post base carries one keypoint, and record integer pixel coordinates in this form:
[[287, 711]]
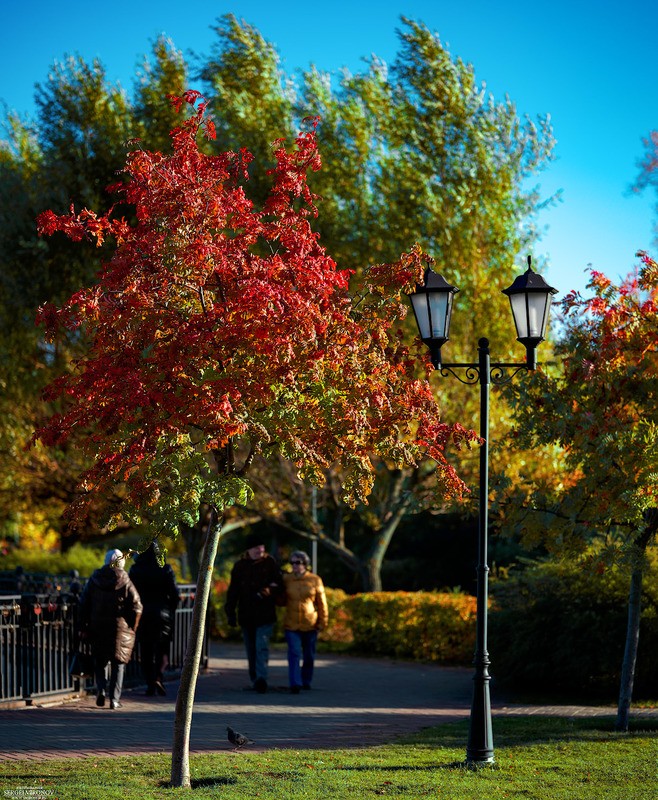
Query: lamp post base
[[480, 749]]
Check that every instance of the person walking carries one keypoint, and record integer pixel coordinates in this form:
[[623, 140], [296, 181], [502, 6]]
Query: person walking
[[255, 583], [306, 614], [159, 594], [110, 610]]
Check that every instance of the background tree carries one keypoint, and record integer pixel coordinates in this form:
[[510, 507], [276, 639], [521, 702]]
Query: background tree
[[414, 151], [251, 99], [358, 534], [73, 150], [648, 175], [217, 331], [601, 408], [165, 73]]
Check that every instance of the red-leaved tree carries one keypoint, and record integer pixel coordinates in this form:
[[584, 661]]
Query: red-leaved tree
[[217, 331], [603, 412]]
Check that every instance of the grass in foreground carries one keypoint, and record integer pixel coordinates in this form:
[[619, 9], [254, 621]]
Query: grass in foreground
[[536, 759]]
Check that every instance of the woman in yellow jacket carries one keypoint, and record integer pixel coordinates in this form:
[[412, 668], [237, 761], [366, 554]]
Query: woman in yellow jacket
[[306, 614]]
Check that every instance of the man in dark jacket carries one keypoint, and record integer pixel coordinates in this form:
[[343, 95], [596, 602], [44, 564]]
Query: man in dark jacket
[[256, 581], [159, 594], [110, 609]]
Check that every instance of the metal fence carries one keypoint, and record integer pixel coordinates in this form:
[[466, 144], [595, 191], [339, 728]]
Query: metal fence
[[38, 640]]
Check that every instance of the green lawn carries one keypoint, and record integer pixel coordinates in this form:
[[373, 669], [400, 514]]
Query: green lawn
[[536, 759]]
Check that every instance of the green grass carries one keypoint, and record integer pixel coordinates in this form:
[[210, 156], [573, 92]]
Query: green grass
[[536, 759]]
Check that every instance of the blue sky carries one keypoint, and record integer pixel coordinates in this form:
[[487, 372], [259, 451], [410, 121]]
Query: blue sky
[[587, 64]]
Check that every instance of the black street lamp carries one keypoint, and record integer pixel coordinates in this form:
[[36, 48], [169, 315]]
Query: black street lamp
[[530, 299]]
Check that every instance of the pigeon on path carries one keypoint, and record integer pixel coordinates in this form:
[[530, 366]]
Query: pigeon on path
[[238, 739]]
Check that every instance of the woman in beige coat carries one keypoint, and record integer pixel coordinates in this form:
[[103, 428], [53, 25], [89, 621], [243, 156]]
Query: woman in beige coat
[[306, 615]]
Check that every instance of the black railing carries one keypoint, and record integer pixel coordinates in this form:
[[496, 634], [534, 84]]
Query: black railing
[[38, 639], [11, 682]]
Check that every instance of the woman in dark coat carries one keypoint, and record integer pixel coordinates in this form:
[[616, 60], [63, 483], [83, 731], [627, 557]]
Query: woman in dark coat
[[157, 588], [110, 610]]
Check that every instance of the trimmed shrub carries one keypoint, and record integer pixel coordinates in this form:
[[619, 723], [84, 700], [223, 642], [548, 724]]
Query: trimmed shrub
[[425, 626], [339, 630]]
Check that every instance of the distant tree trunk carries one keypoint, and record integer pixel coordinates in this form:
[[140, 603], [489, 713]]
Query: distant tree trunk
[[633, 627], [195, 536], [373, 581], [630, 650], [383, 540], [180, 756]]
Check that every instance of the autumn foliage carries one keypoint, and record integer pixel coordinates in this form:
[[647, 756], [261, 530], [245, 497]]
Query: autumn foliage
[[611, 425], [601, 411], [217, 329]]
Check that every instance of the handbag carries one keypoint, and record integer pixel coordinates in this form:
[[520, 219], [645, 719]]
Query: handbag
[[165, 624], [82, 665]]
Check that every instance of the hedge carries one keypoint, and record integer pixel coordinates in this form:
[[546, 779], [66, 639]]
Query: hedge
[[423, 626]]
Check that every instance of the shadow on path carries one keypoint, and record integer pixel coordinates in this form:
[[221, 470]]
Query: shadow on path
[[355, 702]]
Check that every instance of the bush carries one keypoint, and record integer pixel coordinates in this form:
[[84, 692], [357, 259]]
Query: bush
[[561, 627], [83, 559], [426, 626], [339, 630]]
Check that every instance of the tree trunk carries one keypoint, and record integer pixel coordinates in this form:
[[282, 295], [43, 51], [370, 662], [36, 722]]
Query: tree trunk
[[180, 756], [195, 536], [630, 650], [383, 540], [632, 632], [373, 576]]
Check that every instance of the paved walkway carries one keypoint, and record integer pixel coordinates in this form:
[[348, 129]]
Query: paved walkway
[[354, 702]]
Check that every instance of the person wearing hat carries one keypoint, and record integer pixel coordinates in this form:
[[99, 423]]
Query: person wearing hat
[[110, 608], [255, 584]]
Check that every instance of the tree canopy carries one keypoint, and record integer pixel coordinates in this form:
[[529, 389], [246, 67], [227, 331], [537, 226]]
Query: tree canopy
[[415, 151], [216, 323], [599, 406]]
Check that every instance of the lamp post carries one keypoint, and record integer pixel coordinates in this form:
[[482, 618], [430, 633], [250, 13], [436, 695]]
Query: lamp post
[[530, 300]]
